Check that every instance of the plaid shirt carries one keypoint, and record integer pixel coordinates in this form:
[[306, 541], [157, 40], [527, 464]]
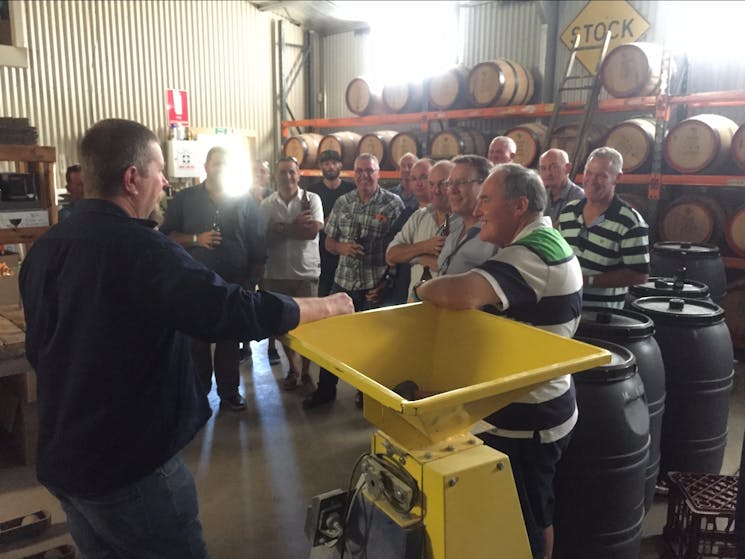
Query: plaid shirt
[[373, 225]]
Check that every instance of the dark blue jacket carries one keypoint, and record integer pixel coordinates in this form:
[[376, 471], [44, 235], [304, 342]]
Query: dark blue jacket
[[109, 302]]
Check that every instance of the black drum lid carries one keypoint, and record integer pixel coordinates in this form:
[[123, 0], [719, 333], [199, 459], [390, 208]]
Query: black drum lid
[[598, 322], [677, 311], [622, 365]]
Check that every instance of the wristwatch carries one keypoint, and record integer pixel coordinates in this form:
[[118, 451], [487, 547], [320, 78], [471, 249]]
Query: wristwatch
[[194, 239], [413, 291]]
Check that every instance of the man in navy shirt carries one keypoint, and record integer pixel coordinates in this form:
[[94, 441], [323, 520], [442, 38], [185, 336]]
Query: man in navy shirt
[[227, 234], [109, 305]]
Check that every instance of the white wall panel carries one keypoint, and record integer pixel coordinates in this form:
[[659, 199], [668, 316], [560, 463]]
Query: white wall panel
[[344, 57], [501, 29], [110, 58]]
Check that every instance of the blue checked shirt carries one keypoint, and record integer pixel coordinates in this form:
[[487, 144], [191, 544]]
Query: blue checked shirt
[[373, 225]]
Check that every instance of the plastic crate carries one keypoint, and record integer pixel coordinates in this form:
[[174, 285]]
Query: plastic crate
[[701, 516]]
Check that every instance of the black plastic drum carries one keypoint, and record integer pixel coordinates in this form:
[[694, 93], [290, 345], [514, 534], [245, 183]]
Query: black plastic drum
[[668, 287], [635, 332], [697, 353], [600, 478], [690, 261]]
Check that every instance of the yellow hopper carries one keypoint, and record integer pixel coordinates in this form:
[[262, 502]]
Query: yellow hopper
[[476, 362]]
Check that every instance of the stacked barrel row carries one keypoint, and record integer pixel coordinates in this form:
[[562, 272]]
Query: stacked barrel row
[[660, 405], [491, 83]]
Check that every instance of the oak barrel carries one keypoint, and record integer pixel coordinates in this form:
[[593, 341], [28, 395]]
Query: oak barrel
[[693, 219], [402, 143], [738, 147], [404, 98], [632, 70], [379, 144], [530, 139], [304, 148], [344, 143], [565, 137], [456, 141], [736, 232], [499, 82], [699, 143], [449, 90], [363, 97], [634, 140]]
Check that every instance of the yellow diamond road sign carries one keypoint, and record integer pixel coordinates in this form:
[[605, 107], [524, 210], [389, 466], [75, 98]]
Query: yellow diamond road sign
[[595, 20]]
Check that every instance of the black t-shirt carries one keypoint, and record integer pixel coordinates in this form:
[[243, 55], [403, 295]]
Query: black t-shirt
[[329, 196], [328, 199]]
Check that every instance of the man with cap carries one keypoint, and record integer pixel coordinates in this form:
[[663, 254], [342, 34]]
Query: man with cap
[[329, 189]]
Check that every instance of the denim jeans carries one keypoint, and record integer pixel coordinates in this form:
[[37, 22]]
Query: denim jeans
[[156, 517]]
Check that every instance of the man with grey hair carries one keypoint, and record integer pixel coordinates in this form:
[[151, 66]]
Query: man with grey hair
[[502, 149], [554, 167], [608, 236], [534, 278], [463, 249], [359, 229]]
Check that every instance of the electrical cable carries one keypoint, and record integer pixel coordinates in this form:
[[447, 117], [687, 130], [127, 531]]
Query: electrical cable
[[343, 539], [350, 500]]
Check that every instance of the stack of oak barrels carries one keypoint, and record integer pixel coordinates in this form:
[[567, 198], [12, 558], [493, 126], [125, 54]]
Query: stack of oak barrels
[[701, 144]]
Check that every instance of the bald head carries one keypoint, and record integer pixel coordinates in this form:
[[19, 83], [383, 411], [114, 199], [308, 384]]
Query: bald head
[[405, 163], [502, 150], [419, 180], [554, 167]]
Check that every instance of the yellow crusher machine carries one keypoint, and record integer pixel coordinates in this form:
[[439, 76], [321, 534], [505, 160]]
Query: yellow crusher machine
[[428, 488]]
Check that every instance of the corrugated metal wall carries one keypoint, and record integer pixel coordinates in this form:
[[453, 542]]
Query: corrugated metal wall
[[344, 57], [97, 59], [529, 32], [488, 31]]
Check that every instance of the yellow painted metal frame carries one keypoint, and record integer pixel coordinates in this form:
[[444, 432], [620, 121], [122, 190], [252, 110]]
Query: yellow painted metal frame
[[478, 363]]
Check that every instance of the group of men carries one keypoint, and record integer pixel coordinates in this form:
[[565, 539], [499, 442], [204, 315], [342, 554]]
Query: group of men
[[103, 291]]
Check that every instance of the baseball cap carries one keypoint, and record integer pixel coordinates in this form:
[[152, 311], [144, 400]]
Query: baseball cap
[[329, 155]]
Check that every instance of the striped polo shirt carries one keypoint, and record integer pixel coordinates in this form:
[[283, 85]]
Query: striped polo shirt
[[537, 280], [617, 239]]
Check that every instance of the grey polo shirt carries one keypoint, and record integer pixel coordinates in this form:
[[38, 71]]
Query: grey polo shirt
[[570, 192]]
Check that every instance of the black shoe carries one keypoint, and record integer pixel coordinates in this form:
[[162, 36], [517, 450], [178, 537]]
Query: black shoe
[[358, 400], [273, 355], [234, 403], [318, 398]]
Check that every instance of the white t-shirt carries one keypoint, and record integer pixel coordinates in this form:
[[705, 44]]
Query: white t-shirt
[[292, 258]]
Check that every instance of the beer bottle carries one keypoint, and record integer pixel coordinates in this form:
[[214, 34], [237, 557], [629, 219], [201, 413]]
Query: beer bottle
[[304, 201]]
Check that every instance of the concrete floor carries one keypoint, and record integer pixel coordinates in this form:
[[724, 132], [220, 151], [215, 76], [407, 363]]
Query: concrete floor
[[256, 471]]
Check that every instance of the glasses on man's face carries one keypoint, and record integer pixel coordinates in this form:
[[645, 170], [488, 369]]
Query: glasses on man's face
[[439, 185], [420, 178], [460, 183], [362, 172]]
